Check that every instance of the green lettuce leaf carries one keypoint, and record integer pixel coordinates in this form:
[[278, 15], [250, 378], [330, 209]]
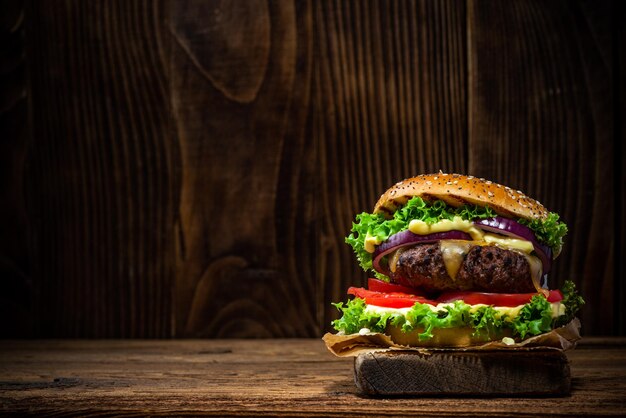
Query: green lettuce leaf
[[548, 231], [487, 321], [534, 318], [355, 318], [572, 301], [422, 317]]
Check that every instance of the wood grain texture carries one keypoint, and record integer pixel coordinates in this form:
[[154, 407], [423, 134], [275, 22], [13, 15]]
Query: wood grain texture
[[389, 103], [520, 373], [101, 181], [240, 89], [619, 55], [541, 115], [15, 278], [291, 377], [619, 164]]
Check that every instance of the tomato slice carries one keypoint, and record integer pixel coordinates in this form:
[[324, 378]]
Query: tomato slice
[[398, 299], [380, 286], [496, 299], [388, 299]]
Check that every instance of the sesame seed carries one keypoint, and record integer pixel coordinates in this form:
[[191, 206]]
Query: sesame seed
[[490, 194]]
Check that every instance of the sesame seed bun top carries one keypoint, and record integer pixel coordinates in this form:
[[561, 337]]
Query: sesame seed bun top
[[457, 190]]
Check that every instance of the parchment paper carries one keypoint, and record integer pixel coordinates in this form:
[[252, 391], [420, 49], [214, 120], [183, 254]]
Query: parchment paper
[[563, 338]]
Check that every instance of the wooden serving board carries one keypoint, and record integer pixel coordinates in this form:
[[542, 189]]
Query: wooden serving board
[[483, 373]]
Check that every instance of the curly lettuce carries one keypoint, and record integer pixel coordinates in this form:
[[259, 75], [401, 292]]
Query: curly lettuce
[[534, 318], [572, 301], [549, 231]]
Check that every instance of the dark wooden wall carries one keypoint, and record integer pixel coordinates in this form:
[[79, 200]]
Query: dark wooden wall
[[190, 168]]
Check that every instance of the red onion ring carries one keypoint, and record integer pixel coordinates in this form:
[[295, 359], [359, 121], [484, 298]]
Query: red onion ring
[[404, 238], [514, 229]]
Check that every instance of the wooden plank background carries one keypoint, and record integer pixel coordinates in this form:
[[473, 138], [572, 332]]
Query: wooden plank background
[[191, 168]]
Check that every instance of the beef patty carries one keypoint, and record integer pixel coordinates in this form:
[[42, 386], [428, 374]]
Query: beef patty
[[484, 268]]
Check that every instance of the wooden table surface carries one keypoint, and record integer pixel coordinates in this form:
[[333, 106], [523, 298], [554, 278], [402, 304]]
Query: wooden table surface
[[257, 377]]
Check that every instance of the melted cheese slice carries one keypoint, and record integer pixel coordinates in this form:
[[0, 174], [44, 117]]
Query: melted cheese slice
[[510, 243], [454, 252], [456, 224]]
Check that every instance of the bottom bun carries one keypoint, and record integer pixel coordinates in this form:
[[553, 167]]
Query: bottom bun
[[443, 337]]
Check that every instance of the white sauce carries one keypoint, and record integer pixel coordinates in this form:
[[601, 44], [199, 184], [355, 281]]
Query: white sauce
[[364, 331], [558, 309], [508, 340]]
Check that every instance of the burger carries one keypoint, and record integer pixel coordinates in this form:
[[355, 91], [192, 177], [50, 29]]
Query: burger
[[456, 261]]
